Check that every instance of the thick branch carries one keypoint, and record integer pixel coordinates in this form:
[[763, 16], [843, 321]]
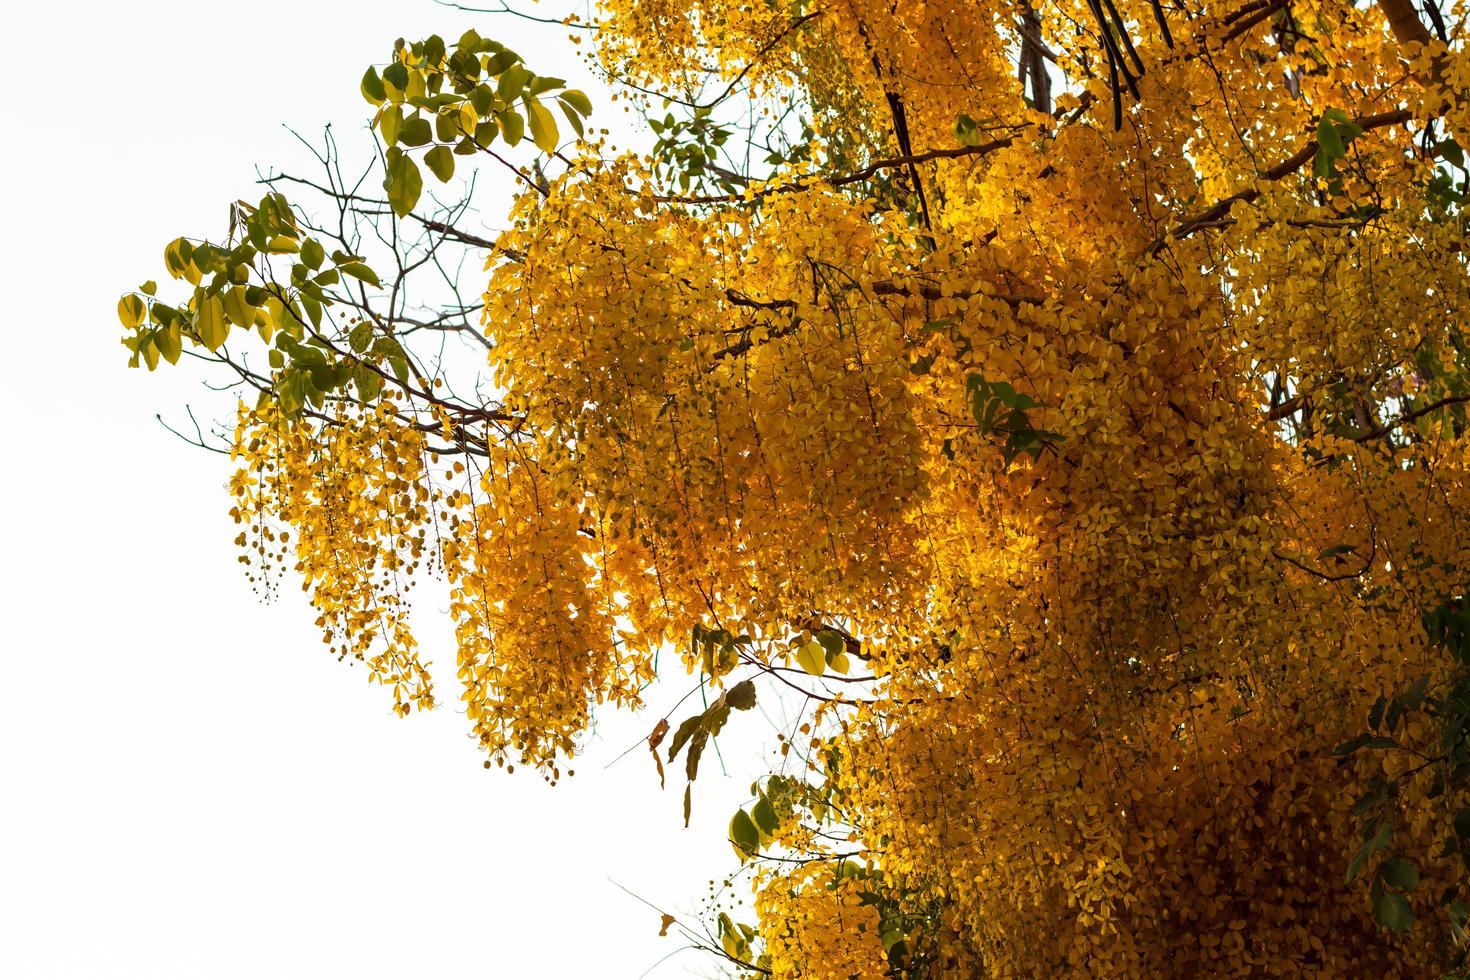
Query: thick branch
[[1285, 168], [1404, 21], [1407, 417]]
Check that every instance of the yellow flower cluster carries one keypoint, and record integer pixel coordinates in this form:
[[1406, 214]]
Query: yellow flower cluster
[[351, 499], [1127, 459]]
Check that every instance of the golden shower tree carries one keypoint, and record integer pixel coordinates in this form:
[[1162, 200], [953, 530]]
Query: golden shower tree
[[1065, 400]]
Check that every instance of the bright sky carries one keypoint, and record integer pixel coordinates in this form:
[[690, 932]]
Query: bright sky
[[192, 787]]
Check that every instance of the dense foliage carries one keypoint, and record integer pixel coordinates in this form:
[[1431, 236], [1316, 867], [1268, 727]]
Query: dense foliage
[[1066, 400]]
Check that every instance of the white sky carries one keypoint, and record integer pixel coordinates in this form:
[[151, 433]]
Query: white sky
[[191, 786]]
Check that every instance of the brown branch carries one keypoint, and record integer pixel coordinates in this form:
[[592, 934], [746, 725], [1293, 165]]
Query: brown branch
[[1417, 413], [1220, 209], [856, 176], [738, 298], [890, 288], [451, 232], [765, 50], [1288, 407], [1404, 21]]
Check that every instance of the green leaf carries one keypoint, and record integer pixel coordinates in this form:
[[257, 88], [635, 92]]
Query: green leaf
[[572, 118], [696, 751], [372, 87], [237, 311], [543, 126], [744, 835], [291, 392], [405, 184], [368, 382], [396, 75], [713, 720], [765, 817], [1451, 151], [512, 126], [446, 126], [486, 132], [415, 131], [731, 941], [1391, 910], [469, 41], [1375, 716], [149, 351], [831, 641], [361, 336], [577, 100], [512, 82], [541, 84], [742, 696], [441, 162], [1329, 148], [482, 99], [313, 308], [1373, 845], [312, 253], [359, 271], [683, 733], [169, 342], [1400, 873], [500, 61], [176, 256], [131, 311]]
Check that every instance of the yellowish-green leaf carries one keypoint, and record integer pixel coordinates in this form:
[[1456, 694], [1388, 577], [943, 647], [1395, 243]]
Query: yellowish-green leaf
[[405, 184], [812, 658], [372, 87], [744, 835], [512, 126], [358, 270], [149, 352], [441, 162], [510, 84], [390, 124], [416, 131], [239, 312], [169, 342], [276, 316], [176, 258], [131, 311], [210, 322], [578, 100], [572, 118], [543, 126]]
